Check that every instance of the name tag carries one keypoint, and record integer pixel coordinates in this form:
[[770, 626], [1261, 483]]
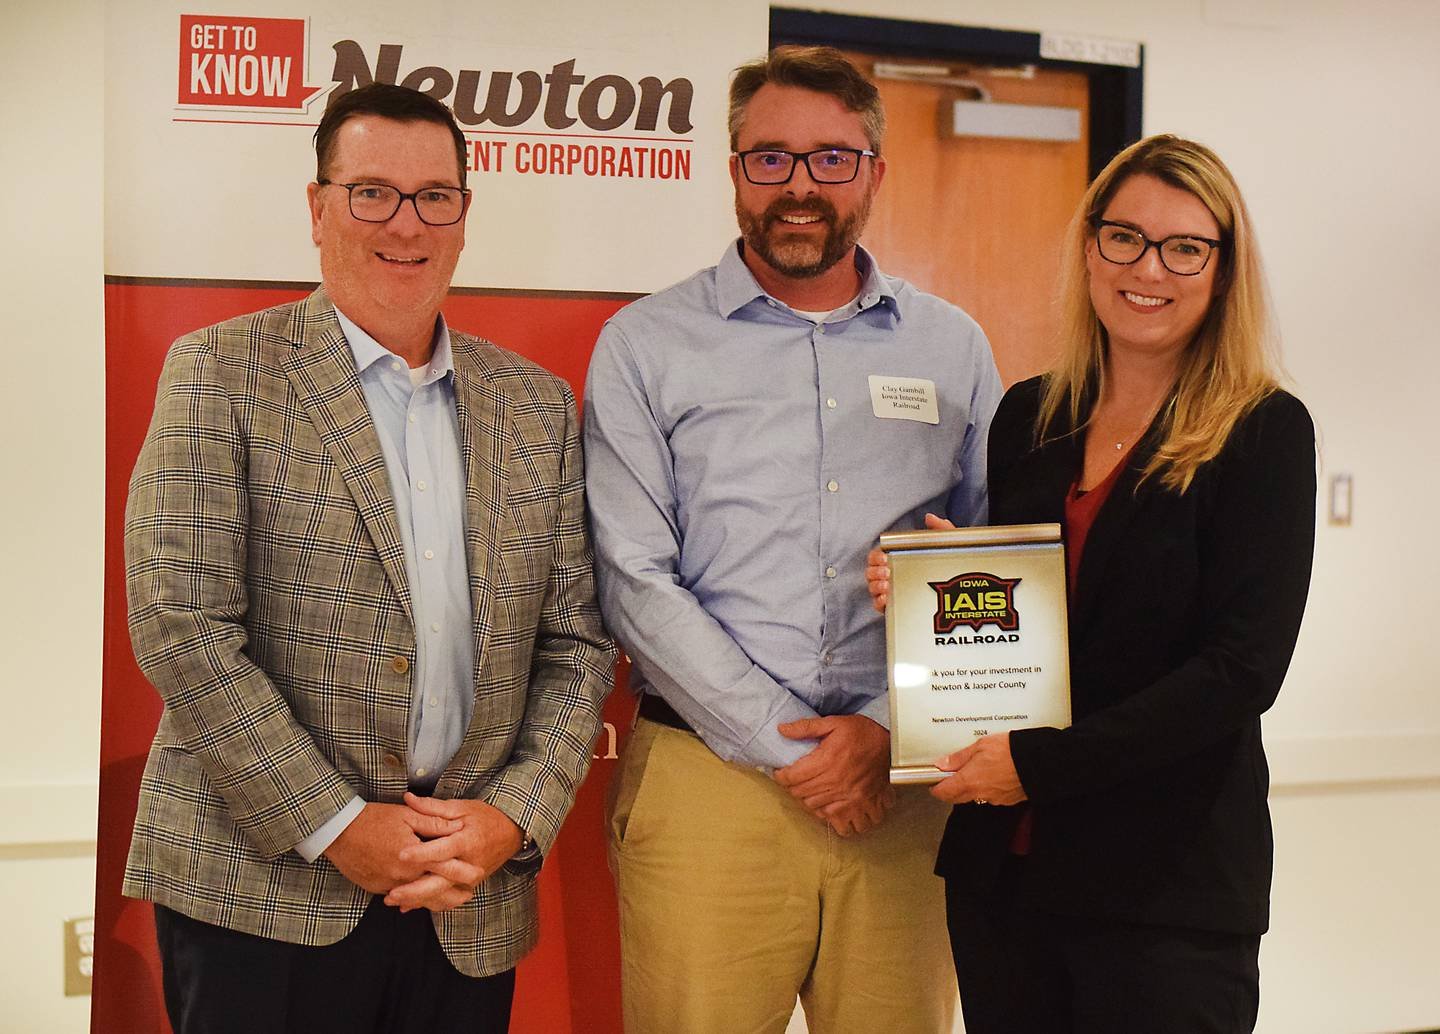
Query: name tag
[[904, 398]]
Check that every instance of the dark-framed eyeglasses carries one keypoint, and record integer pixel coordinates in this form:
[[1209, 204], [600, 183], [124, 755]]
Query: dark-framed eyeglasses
[[1124, 245], [378, 202], [769, 168]]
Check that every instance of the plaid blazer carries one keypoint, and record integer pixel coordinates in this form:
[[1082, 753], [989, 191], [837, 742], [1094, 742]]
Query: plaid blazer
[[269, 607]]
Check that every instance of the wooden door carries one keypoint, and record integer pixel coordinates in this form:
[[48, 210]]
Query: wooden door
[[978, 221]]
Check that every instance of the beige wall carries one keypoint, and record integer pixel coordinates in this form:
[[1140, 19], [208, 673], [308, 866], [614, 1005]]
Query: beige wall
[[1325, 111], [52, 467]]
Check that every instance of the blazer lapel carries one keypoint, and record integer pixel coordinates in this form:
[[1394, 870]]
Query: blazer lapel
[[1111, 522], [1042, 482], [322, 372], [484, 417]]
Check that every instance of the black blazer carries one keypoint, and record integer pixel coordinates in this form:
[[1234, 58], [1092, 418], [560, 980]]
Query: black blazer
[[1151, 807]]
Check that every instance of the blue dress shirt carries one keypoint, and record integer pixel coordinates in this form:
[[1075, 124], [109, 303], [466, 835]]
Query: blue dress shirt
[[738, 470], [420, 440]]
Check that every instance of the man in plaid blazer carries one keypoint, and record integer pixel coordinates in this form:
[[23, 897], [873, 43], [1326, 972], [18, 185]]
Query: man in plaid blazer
[[359, 576]]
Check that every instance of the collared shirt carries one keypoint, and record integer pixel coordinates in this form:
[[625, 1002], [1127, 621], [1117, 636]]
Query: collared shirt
[[741, 460], [415, 419]]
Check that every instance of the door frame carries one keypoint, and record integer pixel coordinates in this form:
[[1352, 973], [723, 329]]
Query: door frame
[[1115, 91]]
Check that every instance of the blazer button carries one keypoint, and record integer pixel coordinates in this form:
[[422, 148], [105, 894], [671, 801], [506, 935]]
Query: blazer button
[[401, 665], [393, 761]]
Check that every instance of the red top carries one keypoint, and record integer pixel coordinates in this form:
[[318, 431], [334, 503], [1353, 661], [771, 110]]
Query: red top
[[1081, 509]]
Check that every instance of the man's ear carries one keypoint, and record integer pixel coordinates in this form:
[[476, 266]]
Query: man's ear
[[312, 197], [879, 164], [465, 218]]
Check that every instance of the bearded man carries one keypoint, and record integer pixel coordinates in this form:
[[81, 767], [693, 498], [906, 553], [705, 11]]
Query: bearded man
[[745, 449]]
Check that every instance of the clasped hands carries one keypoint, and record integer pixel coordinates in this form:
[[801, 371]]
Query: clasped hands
[[426, 853], [845, 781]]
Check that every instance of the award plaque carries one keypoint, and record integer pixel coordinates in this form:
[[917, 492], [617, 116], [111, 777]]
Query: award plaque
[[977, 639]]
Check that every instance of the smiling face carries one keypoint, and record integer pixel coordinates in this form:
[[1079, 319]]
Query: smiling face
[[390, 277], [1144, 307], [801, 229]]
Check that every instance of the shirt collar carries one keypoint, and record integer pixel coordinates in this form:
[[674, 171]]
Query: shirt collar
[[368, 351], [736, 286]]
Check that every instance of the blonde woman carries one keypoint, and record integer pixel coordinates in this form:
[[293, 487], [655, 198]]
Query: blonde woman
[[1114, 876]]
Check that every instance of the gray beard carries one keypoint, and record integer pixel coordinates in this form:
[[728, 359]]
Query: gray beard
[[801, 258]]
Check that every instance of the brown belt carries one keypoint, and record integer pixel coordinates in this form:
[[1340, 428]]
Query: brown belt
[[655, 709]]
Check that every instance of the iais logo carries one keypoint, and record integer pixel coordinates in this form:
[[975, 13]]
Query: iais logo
[[975, 599]]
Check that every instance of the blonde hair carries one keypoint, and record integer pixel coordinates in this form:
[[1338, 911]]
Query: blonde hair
[[1229, 366]]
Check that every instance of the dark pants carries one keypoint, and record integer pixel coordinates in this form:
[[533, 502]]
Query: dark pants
[[387, 976], [1026, 972]]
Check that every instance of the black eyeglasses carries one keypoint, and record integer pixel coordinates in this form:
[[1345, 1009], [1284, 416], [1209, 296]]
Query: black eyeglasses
[[378, 202], [769, 168], [1124, 245]]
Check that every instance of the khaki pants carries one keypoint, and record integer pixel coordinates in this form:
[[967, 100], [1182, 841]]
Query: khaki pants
[[734, 900]]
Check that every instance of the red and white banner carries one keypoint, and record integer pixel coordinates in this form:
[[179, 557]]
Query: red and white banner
[[596, 133], [243, 63], [597, 144]]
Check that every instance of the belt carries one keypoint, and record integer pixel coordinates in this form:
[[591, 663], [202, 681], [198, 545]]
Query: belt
[[656, 709]]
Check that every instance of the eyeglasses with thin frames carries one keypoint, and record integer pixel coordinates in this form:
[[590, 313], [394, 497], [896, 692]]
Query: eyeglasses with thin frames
[[1124, 245], [767, 167], [378, 202]]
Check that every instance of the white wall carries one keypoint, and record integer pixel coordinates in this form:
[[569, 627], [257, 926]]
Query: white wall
[[52, 470], [1325, 112]]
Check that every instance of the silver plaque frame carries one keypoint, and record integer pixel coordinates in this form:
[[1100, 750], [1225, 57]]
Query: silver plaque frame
[[977, 639]]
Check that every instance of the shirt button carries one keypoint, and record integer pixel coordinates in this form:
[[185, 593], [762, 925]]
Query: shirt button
[[434, 626], [828, 658], [400, 665], [420, 485], [412, 418], [830, 572], [420, 772], [398, 365], [429, 554], [833, 486], [434, 701], [820, 328], [830, 403]]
